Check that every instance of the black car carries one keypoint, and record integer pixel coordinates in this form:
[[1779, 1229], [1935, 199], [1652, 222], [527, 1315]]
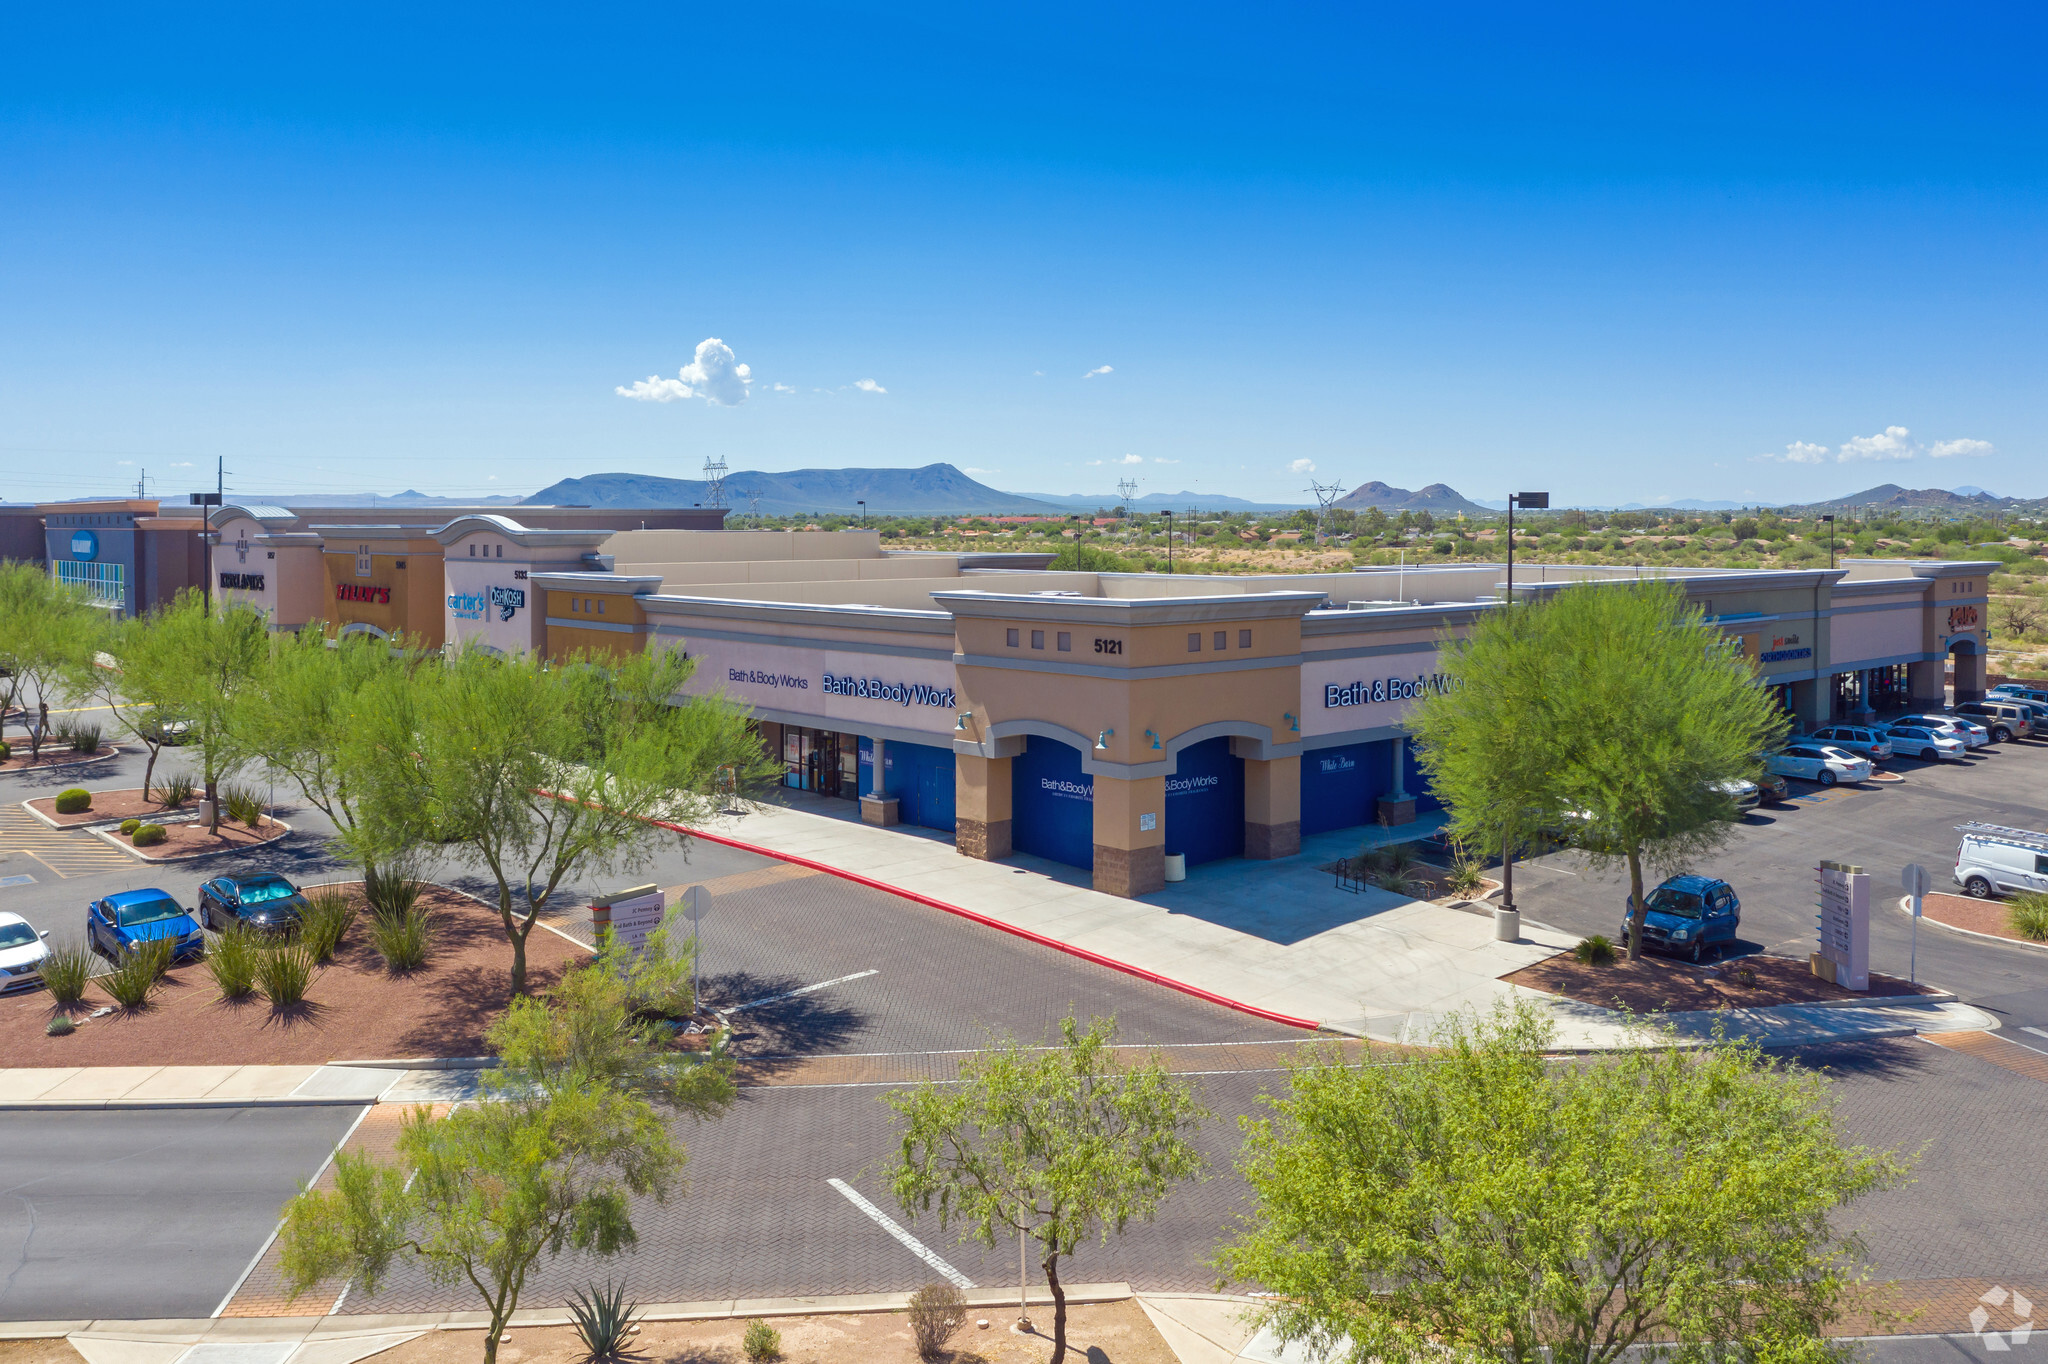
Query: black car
[[265, 902]]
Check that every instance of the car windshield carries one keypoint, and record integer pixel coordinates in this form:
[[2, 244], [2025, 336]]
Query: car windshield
[[17, 935], [148, 912], [1682, 903], [268, 889]]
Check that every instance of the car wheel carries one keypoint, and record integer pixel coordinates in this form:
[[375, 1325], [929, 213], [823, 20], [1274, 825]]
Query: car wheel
[[2001, 736], [1928, 755], [1977, 888], [1699, 951], [1827, 776]]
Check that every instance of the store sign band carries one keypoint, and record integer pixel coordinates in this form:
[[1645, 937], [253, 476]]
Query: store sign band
[[902, 693], [363, 592], [1364, 693]]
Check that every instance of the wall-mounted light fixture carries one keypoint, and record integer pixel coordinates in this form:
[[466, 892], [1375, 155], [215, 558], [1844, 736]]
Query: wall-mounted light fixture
[[965, 716], [1293, 724], [1102, 741], [1153, 737]]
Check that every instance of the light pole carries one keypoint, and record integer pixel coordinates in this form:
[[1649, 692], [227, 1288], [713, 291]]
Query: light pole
[[863, 511], [1507, 920], [1830, 519], [1169, 540]]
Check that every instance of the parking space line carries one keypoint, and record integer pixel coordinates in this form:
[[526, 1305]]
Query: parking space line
[[275, 1232], [792, 994], [895, 1229]]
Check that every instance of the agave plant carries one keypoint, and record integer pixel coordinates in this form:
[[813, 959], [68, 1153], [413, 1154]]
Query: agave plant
[[604, 1320]]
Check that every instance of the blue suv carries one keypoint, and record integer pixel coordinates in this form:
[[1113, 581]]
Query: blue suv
[[1689, 915]]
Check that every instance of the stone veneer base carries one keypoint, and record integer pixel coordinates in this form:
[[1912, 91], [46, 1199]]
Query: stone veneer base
[[1130, 871], [1263, 842], [983, 840]]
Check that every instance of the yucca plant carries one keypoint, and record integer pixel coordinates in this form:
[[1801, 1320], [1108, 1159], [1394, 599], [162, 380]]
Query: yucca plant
[[243, 804], [604, 1319], [325, 922], [136, 976], [1595, 951], [175, 791], [68, 970], [1466, 878], [393, 892], [284, 972], [232, 959], [2028, 914], [403, 940], [86, 738]]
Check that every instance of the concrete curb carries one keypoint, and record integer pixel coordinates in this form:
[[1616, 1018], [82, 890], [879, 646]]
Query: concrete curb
[[101, 832], [115, 1105], [1906, 908], [106, 753], [425, 1063], [109, 823], [188, 1330]]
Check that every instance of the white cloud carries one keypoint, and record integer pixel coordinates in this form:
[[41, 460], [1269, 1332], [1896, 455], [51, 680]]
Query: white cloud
[[1132, 459], [979, 473], [1798, 452], [715, 376], [1949, 449], [1302, 466], [1038, 374], [869, 386], [780, 388], [1099, 369], [184, 465], [1157, 460], [1894, 442]]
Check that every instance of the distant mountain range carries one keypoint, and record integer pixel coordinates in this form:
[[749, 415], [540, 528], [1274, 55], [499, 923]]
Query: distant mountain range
[[1073, 502], [936, 489], [1437, 497], [1964, 499]]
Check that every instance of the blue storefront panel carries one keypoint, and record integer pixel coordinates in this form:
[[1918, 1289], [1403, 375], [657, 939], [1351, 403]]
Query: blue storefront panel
[[1418, 782], [1205, 803], [1340, 786], [918, 775], [1052, 803]]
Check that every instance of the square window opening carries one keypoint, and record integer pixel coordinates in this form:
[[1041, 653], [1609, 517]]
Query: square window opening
[[1244, 639], [1222, 640], [1065, 642], [1038, 639], [1010, 638], [1195, 643]]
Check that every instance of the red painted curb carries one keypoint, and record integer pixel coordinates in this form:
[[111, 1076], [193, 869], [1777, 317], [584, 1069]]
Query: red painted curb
[[986, 922]]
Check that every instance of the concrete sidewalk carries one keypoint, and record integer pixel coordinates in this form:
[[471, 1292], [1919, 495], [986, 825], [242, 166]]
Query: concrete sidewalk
[[1279, 937], [112, 1087]]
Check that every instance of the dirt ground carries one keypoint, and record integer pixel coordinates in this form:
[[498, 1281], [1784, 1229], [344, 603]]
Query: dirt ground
[[1659, 984], [1979, 916], [354, 1011], [54, 755], [38, 1352], [1097, 1333], [106, 805], [184, 840]]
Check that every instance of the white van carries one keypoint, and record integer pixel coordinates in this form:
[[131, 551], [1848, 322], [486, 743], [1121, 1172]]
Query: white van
[[1995, 860]]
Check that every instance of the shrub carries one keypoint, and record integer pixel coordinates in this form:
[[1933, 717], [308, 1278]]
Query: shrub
[[6, 751], [67, 971], [325, 922], [604, 1320], [129, 826], [403, 940], [393, 892], [75, 801], [86, 738], [233, 961], [2028, 914], [1595, 951], [148, 835], [283, 972], [936, 1311], [60, 1026], [243, 804], [761, 1341], [1466, 877], [135, 978], [175, 790]]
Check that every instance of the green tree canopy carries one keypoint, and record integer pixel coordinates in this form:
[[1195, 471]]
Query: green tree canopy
[[48, 635], [1075, 557], [1055, 1143], [1610, 713], [199, 662], [1489, 1202], [537, 771]]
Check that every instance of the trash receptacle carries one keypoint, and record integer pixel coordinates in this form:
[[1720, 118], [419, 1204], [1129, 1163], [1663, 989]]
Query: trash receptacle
[[1176, 866]]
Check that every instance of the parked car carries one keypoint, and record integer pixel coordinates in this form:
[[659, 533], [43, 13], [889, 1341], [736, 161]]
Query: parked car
[[116, 925], [22, 950], [1868, 740], [170, 733], [1690, 915], [2021, 689], [1818, 762], [1745, 794], [1970, 732], [2037, 711], [1774, 789], [1993, 860], [1925, 743], [265, 902], [2006, 720]]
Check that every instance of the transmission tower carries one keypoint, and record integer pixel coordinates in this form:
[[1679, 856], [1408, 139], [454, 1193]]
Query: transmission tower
[[753, 506], [714, 482], [1325, 494], [1127, 489]]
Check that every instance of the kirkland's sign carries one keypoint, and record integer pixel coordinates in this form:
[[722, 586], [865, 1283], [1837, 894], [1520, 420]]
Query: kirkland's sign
[[902, 693], [1364, 693]]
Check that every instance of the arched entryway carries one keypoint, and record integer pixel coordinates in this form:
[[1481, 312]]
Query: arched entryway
[[1052, 803], [1966, 664]]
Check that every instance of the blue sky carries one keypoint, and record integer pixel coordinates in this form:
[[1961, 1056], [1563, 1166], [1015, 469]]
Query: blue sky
[[1627, 256]]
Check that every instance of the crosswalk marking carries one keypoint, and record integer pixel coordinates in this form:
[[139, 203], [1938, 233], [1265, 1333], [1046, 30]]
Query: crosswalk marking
[[66, 852]]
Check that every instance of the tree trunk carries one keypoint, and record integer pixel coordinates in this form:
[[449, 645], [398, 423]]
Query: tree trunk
[[212, 805], [1637, 909], [1059, 1307], [149, 770], [42, 729]]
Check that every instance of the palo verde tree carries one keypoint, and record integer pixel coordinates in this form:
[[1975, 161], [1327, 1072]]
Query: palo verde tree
[[1055, 1143], [1614, 713], [201, 660], [1484, 1201], [539, 771], [48, 636], [339, 718], [482, 1194], [143, 687]]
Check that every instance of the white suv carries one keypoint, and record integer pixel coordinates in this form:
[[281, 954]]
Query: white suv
[[1818, 762], [1994, 860], [1970, 732], [1871, 742]]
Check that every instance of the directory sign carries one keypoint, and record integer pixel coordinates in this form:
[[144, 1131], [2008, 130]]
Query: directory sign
[[631, 915], [1844, 955]]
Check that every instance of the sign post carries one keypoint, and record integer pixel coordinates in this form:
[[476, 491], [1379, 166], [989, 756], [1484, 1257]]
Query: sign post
[[1844, 955], [695, 904], [1916, 881]]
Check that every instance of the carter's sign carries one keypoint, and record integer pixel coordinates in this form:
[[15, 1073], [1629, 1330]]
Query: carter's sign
[[1364, 693], [902, 693]]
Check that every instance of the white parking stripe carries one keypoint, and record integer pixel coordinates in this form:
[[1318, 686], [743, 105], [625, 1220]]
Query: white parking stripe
[[890, 1225], [792, 994]]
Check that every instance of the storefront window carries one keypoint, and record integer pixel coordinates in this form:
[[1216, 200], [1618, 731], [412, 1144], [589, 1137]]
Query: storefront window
[[821, 760]]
